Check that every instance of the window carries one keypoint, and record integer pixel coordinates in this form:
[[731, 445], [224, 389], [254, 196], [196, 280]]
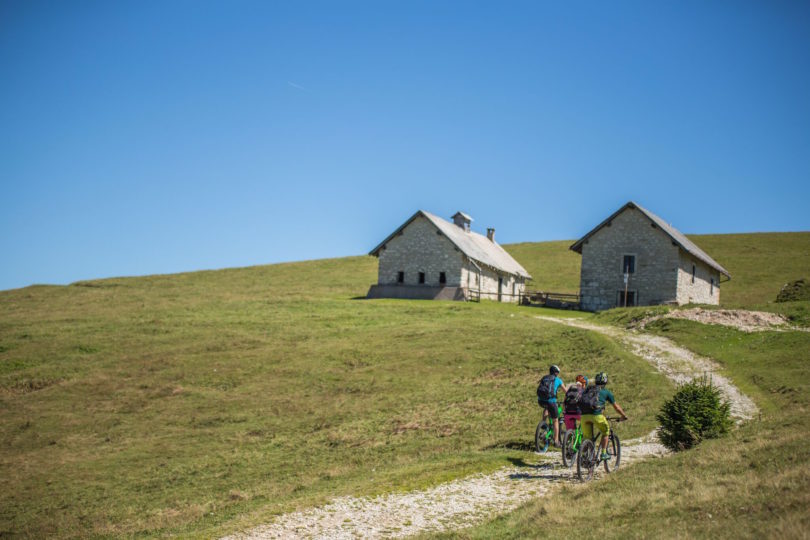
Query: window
[[693, 273], [442, 278], [629, 264], [400, 277], [421, 277], [711, 289], [631, 299]]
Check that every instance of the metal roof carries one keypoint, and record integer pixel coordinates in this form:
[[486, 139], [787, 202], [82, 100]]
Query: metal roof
[[475, 246], [677, 236]]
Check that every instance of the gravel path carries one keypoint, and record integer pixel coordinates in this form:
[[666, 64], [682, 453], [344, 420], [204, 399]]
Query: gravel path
[[471, 500], [677, 363]]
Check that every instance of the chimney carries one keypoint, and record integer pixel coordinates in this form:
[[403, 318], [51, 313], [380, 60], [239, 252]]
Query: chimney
[[462, 220], [491, 234]]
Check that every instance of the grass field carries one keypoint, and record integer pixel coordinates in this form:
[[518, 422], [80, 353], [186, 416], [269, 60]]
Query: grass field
[[202, 403]]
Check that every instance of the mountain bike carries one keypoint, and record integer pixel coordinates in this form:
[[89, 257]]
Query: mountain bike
[[544, 434], [589, 453], [570, 445]]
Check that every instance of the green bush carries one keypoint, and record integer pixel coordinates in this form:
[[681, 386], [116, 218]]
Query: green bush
[[795, 290], [694, 413]]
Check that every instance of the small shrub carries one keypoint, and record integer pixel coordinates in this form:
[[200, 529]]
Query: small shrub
[[795, 290], [696, 412]]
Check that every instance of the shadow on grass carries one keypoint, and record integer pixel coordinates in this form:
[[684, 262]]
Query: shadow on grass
[[526, 446], [544, 471], [518, 462]]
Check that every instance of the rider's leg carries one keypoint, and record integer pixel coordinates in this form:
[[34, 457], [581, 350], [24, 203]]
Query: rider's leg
[[601, 422], [586, 423], [554, 419]]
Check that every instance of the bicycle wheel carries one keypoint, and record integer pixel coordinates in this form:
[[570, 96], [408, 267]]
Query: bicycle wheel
[[586, 460], [541, 437], [614, 449], [569, 450]]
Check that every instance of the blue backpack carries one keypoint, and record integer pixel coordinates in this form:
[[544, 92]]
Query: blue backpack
[[545, 391]]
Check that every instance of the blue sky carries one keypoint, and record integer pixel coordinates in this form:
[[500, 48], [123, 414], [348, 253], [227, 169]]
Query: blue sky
[[155, 137]]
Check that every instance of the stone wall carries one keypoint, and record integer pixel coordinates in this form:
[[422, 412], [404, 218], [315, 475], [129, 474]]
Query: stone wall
[[420, 249], [701, 291], [417, 292], [656, 267]]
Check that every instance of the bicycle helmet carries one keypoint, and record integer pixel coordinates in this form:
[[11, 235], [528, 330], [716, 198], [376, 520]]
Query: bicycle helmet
[[582, 379], [601, 378], [554, 369]]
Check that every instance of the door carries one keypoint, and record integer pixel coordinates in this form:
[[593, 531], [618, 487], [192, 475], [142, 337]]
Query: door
[[631, 299], [500, 288]]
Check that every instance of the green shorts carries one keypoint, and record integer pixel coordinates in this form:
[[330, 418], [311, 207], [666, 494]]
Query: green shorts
[[590, 420]]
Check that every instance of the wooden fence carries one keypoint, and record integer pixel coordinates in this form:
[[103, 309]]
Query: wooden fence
[[550, 299]]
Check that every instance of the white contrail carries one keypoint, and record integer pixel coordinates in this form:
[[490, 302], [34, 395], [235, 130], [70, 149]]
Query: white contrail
[[298, 87]]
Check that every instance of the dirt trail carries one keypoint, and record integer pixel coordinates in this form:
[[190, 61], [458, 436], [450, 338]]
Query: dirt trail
[[471, 500], [677, 363]]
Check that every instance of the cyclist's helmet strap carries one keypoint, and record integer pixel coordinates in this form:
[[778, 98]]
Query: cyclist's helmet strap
[[554, 369], [601, 378]]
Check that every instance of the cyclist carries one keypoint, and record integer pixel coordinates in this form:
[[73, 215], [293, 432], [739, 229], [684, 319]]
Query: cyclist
[[547, 398], [571, 403], [592, 405]]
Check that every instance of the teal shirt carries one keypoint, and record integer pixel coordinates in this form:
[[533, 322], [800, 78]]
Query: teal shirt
[[605, 396]]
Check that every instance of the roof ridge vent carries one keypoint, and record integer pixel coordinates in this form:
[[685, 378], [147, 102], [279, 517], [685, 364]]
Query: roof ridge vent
[[462, 220]]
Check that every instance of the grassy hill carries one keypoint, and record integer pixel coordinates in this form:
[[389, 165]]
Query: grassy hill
[[205, 402]]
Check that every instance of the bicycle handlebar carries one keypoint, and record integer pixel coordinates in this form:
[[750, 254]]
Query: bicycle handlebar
[[615, 419]]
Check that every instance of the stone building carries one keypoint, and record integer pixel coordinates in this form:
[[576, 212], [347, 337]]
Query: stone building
[[428, 257], [661, 264]]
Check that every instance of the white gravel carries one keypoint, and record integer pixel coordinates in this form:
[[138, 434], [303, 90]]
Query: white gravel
[[471, 500], [740, 319]]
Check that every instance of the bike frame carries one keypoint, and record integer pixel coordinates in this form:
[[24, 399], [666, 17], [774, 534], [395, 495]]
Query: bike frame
[[594, 459]]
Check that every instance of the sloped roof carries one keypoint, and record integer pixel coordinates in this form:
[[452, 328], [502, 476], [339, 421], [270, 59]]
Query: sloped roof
[[475, 246], [677, 236]]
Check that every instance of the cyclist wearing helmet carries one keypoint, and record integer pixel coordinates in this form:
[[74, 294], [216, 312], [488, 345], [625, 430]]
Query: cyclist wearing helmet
[[572, 412], [592, 405], [547, 398]]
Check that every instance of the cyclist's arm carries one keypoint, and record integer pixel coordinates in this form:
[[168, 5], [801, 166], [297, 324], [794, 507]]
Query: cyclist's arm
[[619, 410]]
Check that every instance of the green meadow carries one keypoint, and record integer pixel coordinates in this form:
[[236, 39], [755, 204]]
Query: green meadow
[[204, 403]]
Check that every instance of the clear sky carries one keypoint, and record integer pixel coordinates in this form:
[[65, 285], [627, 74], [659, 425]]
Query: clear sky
[[141, 137]]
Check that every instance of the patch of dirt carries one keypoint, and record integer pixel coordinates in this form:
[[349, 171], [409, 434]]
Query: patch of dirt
[[746, 321]]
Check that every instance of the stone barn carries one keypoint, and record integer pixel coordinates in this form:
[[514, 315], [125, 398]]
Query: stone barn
[[661, 265], [431, 258]]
